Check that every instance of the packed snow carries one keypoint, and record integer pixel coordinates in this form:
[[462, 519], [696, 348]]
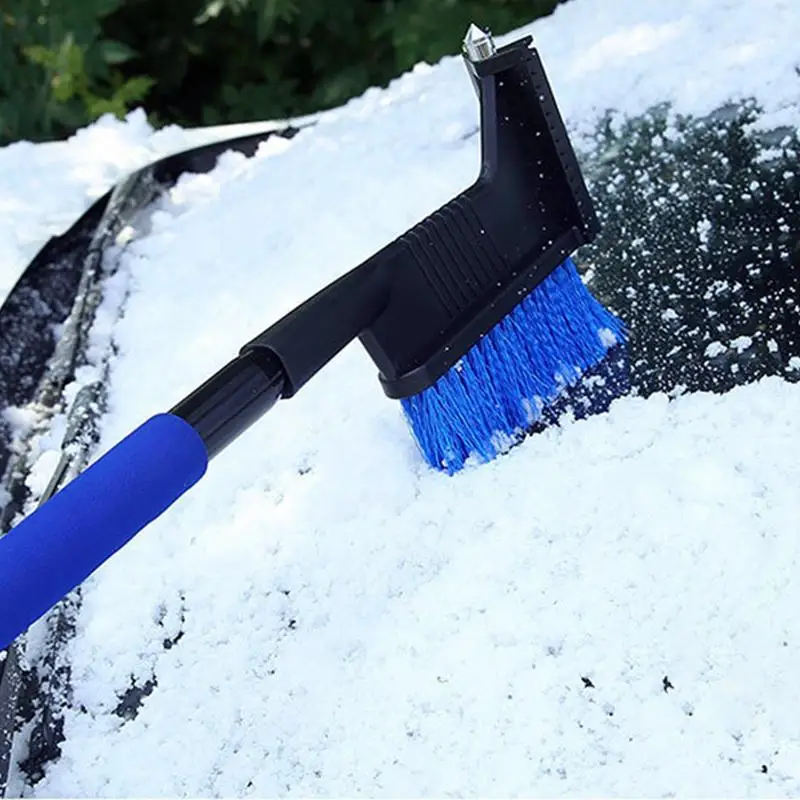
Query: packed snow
[[607, 610], [46, 187]]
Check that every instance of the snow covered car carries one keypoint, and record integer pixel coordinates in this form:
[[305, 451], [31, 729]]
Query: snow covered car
[[609, 608]]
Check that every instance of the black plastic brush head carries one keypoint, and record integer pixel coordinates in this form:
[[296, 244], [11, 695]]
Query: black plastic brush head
[[424, 300]]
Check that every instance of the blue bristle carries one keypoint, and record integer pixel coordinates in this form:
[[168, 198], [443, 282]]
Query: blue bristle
[[528, 370]]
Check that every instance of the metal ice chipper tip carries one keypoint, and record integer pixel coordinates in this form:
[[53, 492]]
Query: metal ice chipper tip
[[478, 44]]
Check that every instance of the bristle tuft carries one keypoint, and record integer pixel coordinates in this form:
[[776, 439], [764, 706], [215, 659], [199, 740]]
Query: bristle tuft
[[559, 350]]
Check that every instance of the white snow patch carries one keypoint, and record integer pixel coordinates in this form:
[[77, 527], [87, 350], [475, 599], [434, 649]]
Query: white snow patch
[[44, 188], [741, 343], [607, 337], [715, 349], [373, 627], [703, 232], [628, 55]]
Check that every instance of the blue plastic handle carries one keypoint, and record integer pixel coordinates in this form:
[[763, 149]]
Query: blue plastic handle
[[60, 544]]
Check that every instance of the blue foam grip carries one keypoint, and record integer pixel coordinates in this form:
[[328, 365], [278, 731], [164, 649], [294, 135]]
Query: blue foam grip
[[60, 544]]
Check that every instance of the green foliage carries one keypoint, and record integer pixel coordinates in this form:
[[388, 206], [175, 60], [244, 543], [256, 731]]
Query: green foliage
[[65, 62], [57, 69]]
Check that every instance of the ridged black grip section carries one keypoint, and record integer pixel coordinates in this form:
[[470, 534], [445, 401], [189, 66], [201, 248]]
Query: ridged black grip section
[[456, 255]]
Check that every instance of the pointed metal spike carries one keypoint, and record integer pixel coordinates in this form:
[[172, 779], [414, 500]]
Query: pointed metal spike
[[478, 44]]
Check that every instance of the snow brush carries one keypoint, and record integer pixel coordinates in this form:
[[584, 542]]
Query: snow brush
[[476, 318]]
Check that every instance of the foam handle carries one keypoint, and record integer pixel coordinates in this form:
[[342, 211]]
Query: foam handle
[[61, 543]]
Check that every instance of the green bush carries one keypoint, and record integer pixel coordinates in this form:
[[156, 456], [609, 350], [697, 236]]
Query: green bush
[[63, 63], [58, 70]]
